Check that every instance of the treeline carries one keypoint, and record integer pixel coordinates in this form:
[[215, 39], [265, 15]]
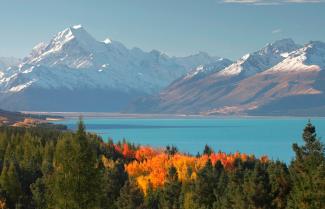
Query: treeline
[[43, 168]]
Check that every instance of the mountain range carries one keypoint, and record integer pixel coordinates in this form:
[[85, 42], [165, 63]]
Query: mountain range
[[283, 78], [75, 72]]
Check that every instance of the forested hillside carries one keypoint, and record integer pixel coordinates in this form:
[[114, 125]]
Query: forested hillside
[[42, 168]]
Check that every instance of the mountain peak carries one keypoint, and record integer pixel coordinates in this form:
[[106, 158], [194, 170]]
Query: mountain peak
[[280, 46], [76, 32], [76, 27], [262, 59]]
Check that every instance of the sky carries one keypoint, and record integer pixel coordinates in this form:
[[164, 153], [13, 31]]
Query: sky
[[225, 28]]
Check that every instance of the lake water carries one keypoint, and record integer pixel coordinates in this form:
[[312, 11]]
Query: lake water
[[270, 136]]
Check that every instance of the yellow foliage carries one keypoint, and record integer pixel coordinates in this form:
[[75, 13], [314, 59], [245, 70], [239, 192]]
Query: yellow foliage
[[151, 166]]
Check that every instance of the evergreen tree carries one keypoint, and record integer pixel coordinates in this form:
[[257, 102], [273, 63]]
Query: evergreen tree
[[308, 172], [131, 197], [39, 194], [234, 196], [204, 186], [151, 200], [76, 178], [171, 191], [280, 184], [207, 150], [257, 188], [9, 182], [171, 150], [114, 179]]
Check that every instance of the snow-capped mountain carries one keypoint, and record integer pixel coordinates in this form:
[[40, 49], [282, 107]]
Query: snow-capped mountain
[[6, 62], [74, 62], [260, 60], [278, 79], [311, 57], [292, 86], [205, 70]]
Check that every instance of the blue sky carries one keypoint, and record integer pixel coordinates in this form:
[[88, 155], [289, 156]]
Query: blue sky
[[227, 28]]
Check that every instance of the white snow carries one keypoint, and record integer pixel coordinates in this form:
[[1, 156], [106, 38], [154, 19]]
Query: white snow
[[309, 58], [21, 86], [105, 65], [107, 41], [208, 68], [77, 27], [261, 60], [73, 59]]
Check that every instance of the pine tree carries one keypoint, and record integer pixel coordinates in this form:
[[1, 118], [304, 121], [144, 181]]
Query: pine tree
[[171, 191], [308, 172], [131, 197], [234, 196], [9, 182], [257, 188], [280, 184], [207, 150], [38, 190], [151, 200], [114, 179], [76, 178], [204, 186]]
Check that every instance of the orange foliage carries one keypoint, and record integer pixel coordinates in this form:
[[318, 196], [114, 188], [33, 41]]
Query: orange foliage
[[264, 159], [127, 152], [144, 153], [3, 204], [151, 166]]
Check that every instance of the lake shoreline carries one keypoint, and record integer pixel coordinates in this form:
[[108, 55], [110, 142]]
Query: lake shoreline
[[112, 115]]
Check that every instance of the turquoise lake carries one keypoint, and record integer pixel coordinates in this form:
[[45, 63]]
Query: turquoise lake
[[271, 136]]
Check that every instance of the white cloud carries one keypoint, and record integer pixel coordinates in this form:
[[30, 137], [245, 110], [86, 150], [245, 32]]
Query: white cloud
[[275, 31], [270, 2]]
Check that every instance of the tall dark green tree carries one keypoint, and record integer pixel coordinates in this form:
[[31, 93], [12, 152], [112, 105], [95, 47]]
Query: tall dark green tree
[[204, 186], [171, 191], [114, 179], [308, 172], [10, 183], [151, 200], [131, 197], [280, 182], [39, 194], [76, 181], [257, 188], [207, 150]]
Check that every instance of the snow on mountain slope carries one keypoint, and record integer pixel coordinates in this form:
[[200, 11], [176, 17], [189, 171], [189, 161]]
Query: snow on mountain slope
[[73, 60], [204, 70], [98, 64], [311, 57], [300, 75], [260, 60], [277, 71]]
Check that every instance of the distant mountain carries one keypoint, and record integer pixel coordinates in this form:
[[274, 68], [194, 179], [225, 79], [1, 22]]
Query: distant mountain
[[7, 62], [75, 72], [222, 90]]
